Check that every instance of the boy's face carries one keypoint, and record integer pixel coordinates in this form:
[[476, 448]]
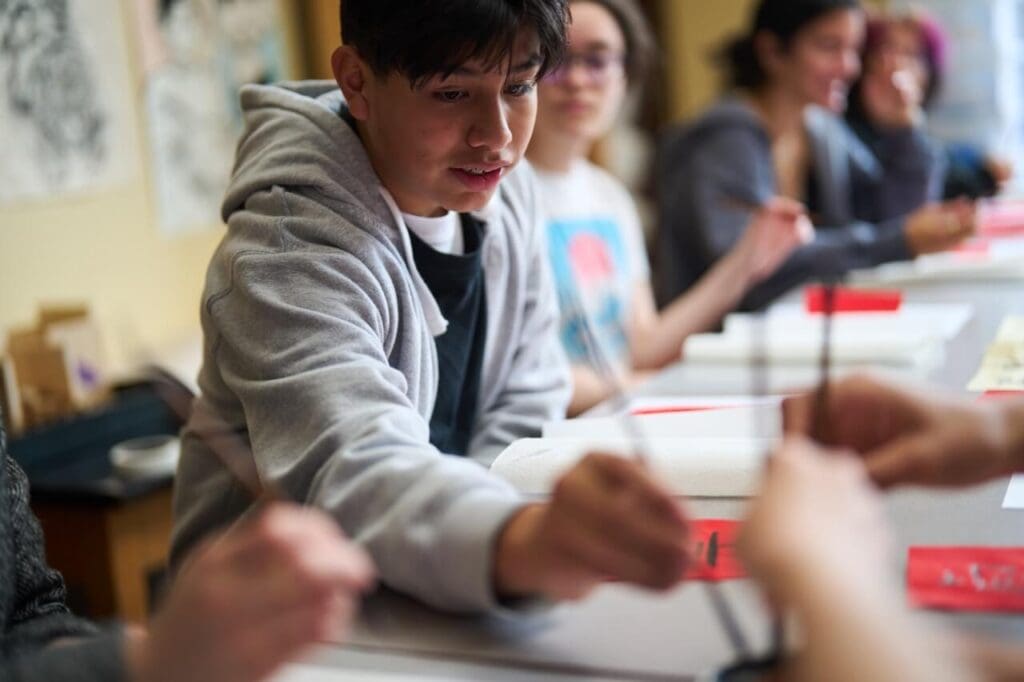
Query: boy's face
[[446, 144]]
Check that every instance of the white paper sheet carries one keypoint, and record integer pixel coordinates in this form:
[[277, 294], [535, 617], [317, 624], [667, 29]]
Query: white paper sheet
[[1002, 367], [1015, 493], [1004, 264], [309, 673], [692, 467], [940, 320], [801, 343]]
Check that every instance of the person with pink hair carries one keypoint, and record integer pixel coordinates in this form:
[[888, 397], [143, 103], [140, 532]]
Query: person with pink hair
[[906, 59]]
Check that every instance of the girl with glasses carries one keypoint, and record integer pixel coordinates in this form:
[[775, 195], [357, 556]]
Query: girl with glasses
[[595, 240]]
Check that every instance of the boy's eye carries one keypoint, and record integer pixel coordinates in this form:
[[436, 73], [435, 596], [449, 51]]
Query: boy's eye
[[520, 89], [449, 96]]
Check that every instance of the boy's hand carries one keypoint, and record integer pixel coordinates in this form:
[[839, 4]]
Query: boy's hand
[[908, 437], [607, 520], [253, 599]]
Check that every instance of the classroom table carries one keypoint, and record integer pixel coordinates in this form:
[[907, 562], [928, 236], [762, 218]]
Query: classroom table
[[624, 633]]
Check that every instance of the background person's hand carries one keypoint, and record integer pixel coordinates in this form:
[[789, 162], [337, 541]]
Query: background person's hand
[[940, 226], [252, 599], [774, 232], [892, 96], [607, 520], [910, 436]]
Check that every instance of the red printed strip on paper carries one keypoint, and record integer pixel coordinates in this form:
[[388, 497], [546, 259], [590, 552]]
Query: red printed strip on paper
[[847, 300], [1000, 395], [715, 549], [966, 578]]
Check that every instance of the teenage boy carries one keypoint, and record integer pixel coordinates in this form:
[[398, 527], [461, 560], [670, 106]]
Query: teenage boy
[[380, 315]]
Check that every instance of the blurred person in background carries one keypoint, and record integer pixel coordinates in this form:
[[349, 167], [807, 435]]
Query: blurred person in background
[[779, 132], [889, 435], [595, 238], [905, 61], [245, 603], [816, 541]]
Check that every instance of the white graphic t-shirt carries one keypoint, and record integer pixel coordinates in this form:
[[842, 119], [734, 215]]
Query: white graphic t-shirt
[[597, 254]]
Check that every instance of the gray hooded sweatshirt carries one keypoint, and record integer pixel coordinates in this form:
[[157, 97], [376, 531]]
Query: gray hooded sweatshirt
[[725, 155], [319, 349]]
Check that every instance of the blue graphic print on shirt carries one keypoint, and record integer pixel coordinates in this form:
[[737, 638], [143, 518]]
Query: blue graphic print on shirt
[[593, 278]]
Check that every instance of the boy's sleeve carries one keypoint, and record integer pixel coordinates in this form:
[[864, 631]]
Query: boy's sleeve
[[301, 342], [538, 387]]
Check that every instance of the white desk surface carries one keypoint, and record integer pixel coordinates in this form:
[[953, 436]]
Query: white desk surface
[[622, 633]]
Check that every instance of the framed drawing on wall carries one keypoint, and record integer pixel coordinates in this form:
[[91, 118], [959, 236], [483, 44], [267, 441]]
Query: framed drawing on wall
[[195, 56]]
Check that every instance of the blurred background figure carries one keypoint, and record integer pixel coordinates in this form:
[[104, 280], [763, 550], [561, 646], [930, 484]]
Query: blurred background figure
[[905, 61], [595, 239], [779, 131], [890, 435], [815, 539], [245, 603]]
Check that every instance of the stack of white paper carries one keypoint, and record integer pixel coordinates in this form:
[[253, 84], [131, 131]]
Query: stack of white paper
[[691, 467], [799, 341], [944, 321], [1003, 261], [1002, 367]]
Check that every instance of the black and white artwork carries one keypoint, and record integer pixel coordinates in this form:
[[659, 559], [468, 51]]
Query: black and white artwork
[[65, 107], [196, 54]]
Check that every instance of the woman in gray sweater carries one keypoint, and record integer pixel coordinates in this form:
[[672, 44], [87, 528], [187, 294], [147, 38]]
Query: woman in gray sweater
[[779, 133], [244, 603]]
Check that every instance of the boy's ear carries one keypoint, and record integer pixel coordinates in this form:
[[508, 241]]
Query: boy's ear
[[352, 75]]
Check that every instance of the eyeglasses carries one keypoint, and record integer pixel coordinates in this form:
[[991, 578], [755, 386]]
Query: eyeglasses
[[599, 67]]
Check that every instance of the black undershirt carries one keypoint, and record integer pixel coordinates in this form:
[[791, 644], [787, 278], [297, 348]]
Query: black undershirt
[[457, 284]]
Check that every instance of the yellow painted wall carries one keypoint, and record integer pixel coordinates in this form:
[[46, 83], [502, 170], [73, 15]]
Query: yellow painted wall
[[690, 33], [321, 35], [106, 249]]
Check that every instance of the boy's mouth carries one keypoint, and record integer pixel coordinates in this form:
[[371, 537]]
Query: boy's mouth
[[479, 178]]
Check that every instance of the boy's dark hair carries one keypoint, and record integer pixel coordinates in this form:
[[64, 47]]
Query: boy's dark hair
[[782, 18], [426, 38], [641, 48]]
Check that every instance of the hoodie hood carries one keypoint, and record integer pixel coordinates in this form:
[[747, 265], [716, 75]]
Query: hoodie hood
[[295, 138]]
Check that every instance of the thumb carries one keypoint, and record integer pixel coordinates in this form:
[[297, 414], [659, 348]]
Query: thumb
[[797, 414], [907, 459], [784, 207]]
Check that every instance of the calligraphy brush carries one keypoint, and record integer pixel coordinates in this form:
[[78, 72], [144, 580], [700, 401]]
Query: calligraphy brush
[[640, 445], [223, 441]]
